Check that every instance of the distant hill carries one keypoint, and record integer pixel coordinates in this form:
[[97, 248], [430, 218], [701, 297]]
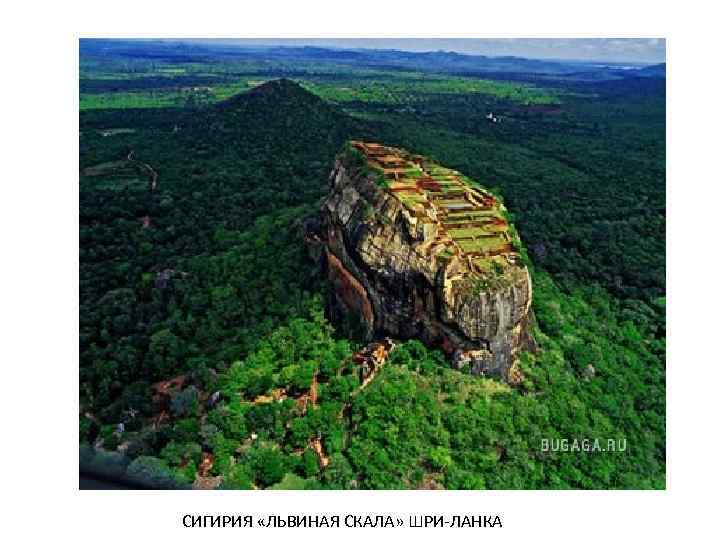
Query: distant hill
[[441, 61], [278, 100], [657, 70], [274, 123], [269, 148]]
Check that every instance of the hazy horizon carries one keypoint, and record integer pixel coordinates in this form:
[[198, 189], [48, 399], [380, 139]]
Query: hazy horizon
[[641, 50]]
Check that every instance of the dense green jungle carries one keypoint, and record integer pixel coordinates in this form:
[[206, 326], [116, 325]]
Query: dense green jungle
[[197, 167]]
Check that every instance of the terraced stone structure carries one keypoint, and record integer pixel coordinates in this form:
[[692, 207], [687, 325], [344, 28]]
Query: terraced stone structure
[[415, 249]]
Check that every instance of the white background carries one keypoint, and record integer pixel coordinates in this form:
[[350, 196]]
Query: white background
[[39, 269]]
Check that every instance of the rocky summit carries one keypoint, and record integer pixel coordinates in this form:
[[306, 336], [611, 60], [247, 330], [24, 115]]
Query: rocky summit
[[413, 249]]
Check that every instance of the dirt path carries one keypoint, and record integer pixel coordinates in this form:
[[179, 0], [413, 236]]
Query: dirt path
[[147, 168]]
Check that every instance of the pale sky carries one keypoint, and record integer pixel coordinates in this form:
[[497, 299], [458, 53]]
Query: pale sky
[[650, 50]]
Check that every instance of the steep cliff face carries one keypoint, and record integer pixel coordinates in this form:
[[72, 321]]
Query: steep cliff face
[[413, 249]]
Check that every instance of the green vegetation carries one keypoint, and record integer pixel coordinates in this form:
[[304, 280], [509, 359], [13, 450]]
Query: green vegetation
[[414, 89], [218, 286], [422, 421], [189, 97]]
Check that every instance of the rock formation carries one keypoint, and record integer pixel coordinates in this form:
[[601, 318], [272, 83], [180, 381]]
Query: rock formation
[[415, 250]]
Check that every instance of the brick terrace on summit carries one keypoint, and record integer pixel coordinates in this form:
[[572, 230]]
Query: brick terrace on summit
[[468, 220]]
